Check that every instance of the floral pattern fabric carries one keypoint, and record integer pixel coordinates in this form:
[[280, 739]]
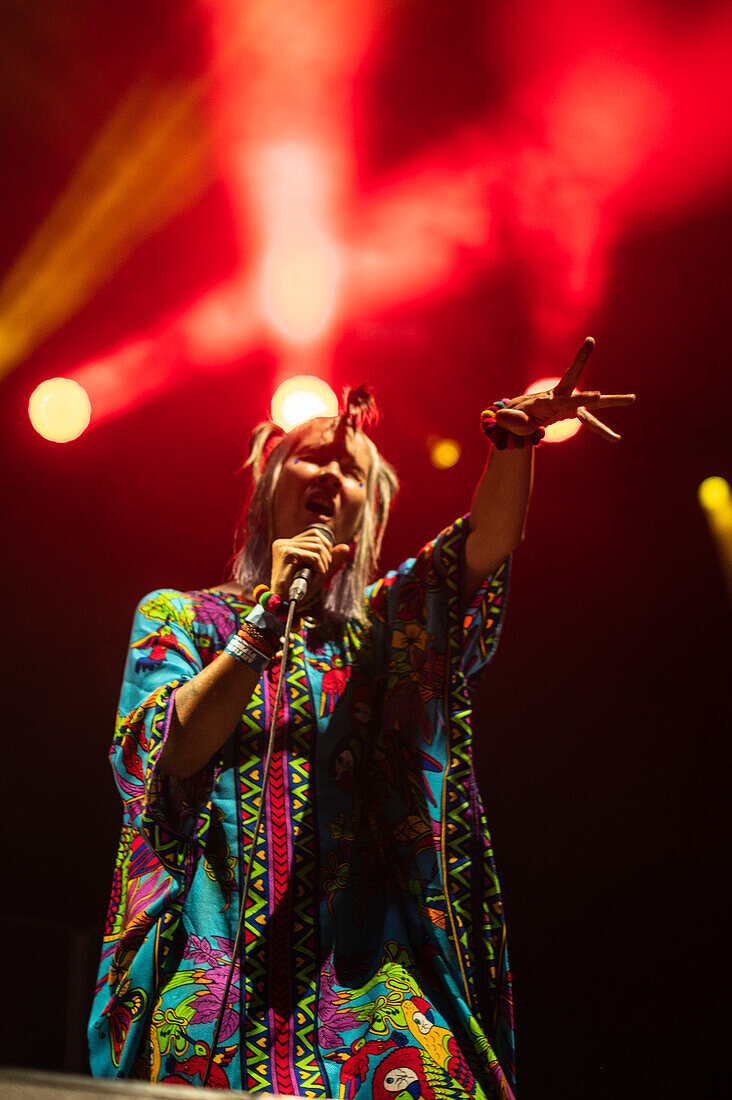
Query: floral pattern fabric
[[373, 959]]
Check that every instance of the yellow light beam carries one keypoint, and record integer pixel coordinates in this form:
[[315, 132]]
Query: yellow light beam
[[149, 162], [715, 497]]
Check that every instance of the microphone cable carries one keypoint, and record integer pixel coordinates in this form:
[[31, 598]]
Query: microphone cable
[[255, 840]]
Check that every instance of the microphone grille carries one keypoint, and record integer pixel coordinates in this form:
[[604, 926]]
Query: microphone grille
[[323, 530]]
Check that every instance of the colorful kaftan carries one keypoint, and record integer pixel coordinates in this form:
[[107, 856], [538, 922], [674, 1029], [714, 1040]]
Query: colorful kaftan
[[374, 959]]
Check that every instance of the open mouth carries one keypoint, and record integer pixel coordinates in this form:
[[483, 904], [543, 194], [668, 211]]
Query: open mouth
[[320, 506]]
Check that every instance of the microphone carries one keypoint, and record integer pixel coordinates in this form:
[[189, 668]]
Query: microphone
[[303, 577]]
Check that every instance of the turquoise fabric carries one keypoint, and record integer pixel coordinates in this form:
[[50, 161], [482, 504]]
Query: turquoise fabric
[[374, 945]]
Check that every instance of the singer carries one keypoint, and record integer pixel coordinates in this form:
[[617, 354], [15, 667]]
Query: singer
[[373, 952]]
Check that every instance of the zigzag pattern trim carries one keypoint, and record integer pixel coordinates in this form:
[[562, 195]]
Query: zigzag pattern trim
[[279, 854], [302, 727], [280, 1000], [464, 868], [254, 1050]]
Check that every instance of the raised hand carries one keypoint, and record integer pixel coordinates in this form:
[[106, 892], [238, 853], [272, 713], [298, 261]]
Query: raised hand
[[523, 415]]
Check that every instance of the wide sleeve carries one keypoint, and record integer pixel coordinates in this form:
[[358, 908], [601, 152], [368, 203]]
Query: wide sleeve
[[428, 649], [418, 611], [167, 648]]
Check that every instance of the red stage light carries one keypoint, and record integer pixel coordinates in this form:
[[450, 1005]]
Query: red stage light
[[563, 429], [59, 409], [301, 398], [612, 121]]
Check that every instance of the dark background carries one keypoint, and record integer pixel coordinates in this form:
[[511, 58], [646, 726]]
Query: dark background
[[602, 724]]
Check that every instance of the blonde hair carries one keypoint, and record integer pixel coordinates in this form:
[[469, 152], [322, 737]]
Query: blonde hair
[[269, 450]]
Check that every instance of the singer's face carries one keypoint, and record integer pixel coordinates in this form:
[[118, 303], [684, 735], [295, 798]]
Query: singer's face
[[323, 481]]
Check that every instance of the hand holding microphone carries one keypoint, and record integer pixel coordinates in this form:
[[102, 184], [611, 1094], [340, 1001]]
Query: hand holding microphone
[[303, 577], [299, 563]]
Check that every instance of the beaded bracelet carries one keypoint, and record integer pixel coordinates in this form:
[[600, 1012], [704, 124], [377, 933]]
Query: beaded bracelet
[[271, 602], [501, 438]]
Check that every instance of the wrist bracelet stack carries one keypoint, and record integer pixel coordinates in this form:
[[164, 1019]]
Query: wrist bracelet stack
[[260, 633], [501, 438]]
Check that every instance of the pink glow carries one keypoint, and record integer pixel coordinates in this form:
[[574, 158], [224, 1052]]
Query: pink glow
[[123, 378], [611, 116], [299, 280], [283, 84], [221, 325], [300, 264], [427, 227]]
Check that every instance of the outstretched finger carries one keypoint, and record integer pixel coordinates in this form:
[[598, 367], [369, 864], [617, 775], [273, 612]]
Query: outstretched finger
[[603, 400], [571, 377], [596, 425]]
